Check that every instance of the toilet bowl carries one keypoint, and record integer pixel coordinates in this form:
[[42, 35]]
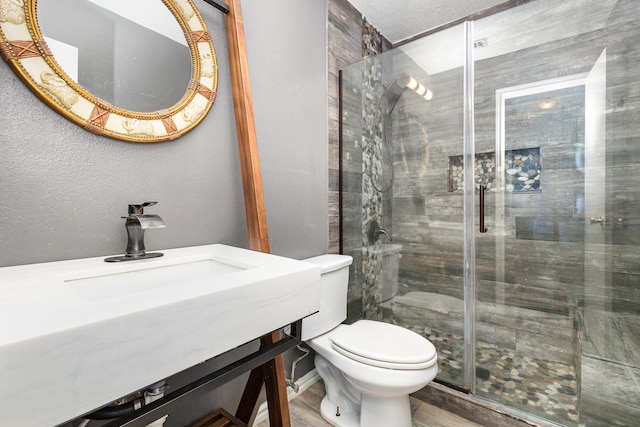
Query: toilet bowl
[[369, 368]]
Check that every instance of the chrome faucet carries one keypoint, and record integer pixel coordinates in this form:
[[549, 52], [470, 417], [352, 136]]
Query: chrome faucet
[[136, 223]]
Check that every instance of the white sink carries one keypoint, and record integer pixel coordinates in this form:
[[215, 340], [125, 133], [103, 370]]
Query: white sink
[[75, 335], [115, 285]]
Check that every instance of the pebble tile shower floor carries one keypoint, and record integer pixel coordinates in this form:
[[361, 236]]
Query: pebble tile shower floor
[[544, 388]]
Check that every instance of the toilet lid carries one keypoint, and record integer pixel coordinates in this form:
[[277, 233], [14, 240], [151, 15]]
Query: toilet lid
[[384, 345]]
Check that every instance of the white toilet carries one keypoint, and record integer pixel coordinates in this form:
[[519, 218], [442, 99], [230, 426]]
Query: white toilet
[[369, 368]]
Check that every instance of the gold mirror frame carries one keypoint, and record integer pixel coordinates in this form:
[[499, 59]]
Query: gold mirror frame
[[23, 47]]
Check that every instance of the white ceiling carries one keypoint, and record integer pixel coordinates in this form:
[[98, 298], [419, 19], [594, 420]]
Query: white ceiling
[[401, 19], [530, 24]]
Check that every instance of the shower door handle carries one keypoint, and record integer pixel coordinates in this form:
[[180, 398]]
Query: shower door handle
[[482, 227]]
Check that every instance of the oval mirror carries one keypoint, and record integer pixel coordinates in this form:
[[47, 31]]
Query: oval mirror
[[142, 71]]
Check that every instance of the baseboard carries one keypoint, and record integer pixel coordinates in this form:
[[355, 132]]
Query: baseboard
[[306, 381], [476, 409]]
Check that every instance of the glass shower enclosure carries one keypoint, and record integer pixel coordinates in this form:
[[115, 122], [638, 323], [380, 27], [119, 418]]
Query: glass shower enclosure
[[490, 199]]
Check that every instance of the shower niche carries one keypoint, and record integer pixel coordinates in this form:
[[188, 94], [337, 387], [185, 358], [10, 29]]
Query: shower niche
[[523, 171]]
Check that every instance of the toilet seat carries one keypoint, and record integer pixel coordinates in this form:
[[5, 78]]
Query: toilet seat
[[384, 345]]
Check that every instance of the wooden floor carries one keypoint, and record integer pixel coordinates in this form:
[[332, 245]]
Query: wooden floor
[[305, 412]]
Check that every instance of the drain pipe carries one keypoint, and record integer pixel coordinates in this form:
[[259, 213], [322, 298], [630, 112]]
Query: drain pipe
[[291, 382], [116, 411], [153, 392]]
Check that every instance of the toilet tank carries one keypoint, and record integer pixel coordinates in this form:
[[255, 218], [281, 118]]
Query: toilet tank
[[334, 279]]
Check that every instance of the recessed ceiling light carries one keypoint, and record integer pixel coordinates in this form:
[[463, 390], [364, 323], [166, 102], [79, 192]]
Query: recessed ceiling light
[[547, 104]]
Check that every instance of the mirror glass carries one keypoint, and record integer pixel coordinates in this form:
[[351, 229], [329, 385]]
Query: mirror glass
[[134, 70], [132, 54]]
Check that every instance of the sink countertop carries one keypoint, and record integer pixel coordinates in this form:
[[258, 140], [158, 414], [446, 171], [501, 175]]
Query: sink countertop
[[66, 349]]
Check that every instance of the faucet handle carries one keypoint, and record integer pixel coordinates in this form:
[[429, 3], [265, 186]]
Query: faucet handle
[[139, 209]]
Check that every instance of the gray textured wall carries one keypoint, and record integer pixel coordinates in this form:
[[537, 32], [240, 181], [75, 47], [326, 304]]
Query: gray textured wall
[[63, 190], [288, 61]]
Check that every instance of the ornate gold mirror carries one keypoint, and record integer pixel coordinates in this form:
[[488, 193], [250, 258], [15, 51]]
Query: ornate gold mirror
[[112, 66]]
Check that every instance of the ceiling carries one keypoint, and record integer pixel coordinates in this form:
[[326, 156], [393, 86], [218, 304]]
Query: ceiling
[[530, 24], [401, 19]]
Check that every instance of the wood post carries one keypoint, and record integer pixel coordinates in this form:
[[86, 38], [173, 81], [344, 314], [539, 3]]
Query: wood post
[[272, 373]]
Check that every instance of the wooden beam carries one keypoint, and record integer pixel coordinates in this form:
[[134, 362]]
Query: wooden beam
[[264, 376], [246, 130], [276, 386], [247, 409], [272, 373]]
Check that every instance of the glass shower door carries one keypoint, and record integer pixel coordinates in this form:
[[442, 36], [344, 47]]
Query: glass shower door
[[403, 213], [557, 268], [527, 346], [426, 212]]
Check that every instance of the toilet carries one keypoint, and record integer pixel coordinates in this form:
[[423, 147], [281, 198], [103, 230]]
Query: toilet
[[369, 368]]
